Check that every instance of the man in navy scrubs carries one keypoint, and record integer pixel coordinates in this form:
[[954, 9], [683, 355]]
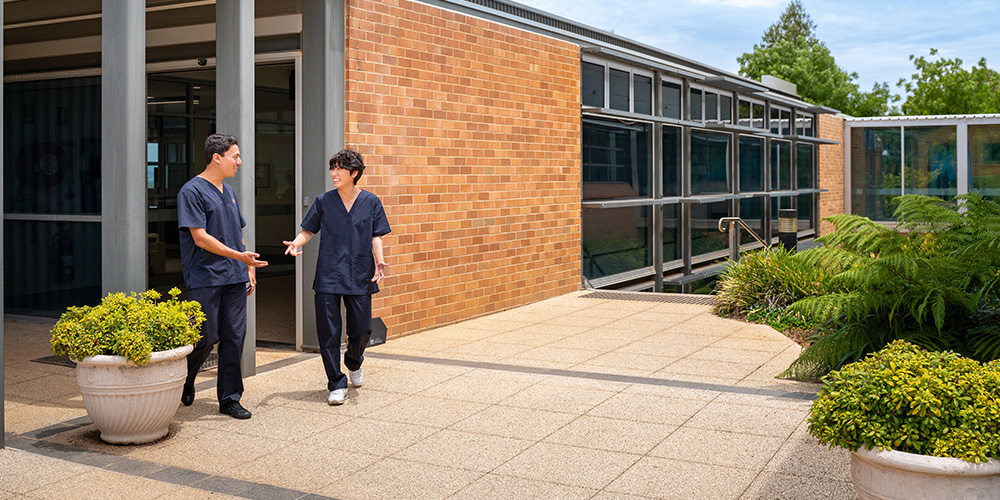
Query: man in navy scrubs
[[349, 268], [218, 270]]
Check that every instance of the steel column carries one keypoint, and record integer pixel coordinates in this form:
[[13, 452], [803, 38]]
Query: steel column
[[123, 146], [323, 129], [234, 74]]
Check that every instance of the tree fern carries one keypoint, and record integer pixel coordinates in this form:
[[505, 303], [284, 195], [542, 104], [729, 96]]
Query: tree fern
[[932, 280]]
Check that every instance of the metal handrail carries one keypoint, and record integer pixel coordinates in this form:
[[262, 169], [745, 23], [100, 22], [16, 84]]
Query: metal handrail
[[734, 244]]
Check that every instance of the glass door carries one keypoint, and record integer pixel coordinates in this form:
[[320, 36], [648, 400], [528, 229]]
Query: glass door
[[181, 114]]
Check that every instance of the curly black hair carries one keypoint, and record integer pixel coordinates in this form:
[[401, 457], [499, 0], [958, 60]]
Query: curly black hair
[[348, 159]]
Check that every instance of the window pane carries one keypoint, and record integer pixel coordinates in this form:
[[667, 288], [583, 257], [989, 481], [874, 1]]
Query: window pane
[[643, 94], [618, 81], [696, 105], [709, 162], [804, 222], [786, 122], [775, 121], [781, 166], [751, 164], [930, 161], [52, 147], [671, 233], [711, 106], [671, 161], [705, 234], [758, 116], [671, 95], [804, 166], [615, 240], [745, 113], [752, 213], [593, 85], [615, 160], [804, 125], [875, 171], [726, 109], [49, 266], [984, 156]]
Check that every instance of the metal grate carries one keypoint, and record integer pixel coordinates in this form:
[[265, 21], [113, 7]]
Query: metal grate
[[666, 298], [56, 360]]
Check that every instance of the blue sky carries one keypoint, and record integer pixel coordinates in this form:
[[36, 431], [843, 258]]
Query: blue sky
[[873, 38]]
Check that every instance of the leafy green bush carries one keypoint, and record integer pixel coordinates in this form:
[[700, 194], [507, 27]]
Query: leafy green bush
[[780, 319], [933, 280], [909, 399], [132, 325], [768, 279]]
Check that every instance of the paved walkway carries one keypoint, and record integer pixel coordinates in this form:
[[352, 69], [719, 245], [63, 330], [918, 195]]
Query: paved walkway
[[574, 397]]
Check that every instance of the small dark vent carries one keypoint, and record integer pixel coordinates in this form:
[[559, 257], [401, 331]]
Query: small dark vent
[[565, 26], [56, 360], [667, 298]]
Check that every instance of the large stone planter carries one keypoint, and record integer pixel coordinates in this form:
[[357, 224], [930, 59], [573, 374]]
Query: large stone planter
[[895, 475], [130, 403]]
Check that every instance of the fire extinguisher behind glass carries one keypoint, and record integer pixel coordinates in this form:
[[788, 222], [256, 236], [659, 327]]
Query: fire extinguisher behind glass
[[62, 254]]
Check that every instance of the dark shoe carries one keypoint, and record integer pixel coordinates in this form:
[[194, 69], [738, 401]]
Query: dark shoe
[[187, 397], [235, 410]]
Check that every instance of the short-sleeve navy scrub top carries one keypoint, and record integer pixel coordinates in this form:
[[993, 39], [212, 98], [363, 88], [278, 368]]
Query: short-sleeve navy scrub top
[[201, 205], [345, 265]]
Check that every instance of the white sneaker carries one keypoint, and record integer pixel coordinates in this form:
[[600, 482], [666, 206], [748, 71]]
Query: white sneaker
[[357, 377], [337, 397]]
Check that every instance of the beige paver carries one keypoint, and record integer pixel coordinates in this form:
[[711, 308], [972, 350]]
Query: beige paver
[[304, 466], [401, 479], [746, 451], [464, 450], [493, 486], [569, 397], [674, 479], [568, 465], [611, 434]]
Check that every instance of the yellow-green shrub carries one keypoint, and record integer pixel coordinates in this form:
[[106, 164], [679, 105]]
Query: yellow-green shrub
[[133, 326], [909, 399]]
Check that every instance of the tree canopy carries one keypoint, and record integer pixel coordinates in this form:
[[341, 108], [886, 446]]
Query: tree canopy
[[943, 87], [790, 50]]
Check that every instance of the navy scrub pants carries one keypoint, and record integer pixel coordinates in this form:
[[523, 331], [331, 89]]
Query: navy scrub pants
[[225, 309], [329, 327]]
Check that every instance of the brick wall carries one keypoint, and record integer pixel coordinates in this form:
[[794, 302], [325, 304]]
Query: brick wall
[[831, 170], [471, 132]]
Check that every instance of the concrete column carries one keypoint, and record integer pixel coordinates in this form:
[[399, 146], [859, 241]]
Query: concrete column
[[323, 75], [123, 146], [234, 78]]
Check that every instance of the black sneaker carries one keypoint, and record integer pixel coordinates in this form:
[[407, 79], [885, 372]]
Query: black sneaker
[[235, 410]]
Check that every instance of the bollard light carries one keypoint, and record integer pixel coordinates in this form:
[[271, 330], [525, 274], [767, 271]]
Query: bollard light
[[787, 231]]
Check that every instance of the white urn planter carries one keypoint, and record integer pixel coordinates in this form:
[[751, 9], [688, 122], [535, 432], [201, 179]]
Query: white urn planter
[[133, 404], [896, 475]]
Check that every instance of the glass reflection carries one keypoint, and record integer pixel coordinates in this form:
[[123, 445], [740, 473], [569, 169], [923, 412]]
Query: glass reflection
[[930, 161], [615, 240], [984, 160], [751, 164], [705, 235], [709, 162], [615, 160], [875, 171]]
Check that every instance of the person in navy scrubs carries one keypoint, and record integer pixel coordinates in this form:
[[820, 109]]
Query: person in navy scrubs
[[349, 268], [218, 270]]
